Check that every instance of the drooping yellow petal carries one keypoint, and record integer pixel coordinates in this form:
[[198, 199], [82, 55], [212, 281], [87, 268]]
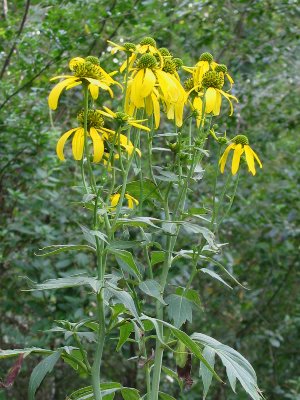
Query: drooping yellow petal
[[250, 159], [223, 159], [136, 95], [167, 86], [131, 200], [97, 144], [61, 143], [94, 90], [112, 114], [148, 83], [131, 61], [100, 84], [78, 144], [217, 107], [256, 158], [63, 76], [231, 81], [156, 109], [56, 91], [139, 126], [74, 84], [238, 151], [228, 97], [114, 199], [210, 99]]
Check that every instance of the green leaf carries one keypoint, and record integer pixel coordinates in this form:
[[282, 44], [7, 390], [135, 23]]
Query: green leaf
[[130, 394], [215, 276], [224, 270], [205, 373], [75, 361], [40, 371], [179, 309], [71, 281], [206, 233], [124, 298], [190, 294], [165, 396], [149, 189], [125, 331], [107, 391], [124, 256], [26, 352], [125, 244], [56, 249], [138, 221], [237, 367], [152, 288], [157, 257], [172, 374]]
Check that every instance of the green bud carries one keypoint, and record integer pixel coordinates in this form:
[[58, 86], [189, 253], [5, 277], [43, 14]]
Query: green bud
[[147, 61], [206, 57], [178, 63], [181, 354], [222, 140], [213, 79], [92, 59], [164, 52], [169, 67], [148, 41], [221, 68], [189, 84], [240, 139], [129, 46]]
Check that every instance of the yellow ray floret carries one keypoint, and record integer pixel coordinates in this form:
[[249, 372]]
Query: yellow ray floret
[[131, 201], [239, 146]]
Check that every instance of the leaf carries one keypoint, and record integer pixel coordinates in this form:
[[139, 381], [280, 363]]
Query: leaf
[[107, 390], [99, 235], [157, 257], [190, 294], [165, 396], [71, 281], [13, 372], [206, 375], [26, 352], [179, 309], [206, 233], [125, 244], [125, 331], [237, 367], [56, 249], [172, 374], [152, 288], [40, 371], [149, 189], [224, 270], [215, 276], [124, 298], [75, 361], [124, 256], [130, 394], [138, 221]]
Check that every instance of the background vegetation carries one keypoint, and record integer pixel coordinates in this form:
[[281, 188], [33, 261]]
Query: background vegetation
[[258, 41]]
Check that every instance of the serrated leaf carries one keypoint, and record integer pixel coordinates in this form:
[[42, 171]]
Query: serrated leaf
[[40, 371], [206, 375], [179, 309], [124, 256], [71, 281], [215, 276], [125, 331], [124, 297], [152, 288], [190, 294], [56, 249], [237, 367]]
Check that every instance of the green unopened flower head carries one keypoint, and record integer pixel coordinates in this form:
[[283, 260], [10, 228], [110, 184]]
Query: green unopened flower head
[[169, 66], [129, 46], [148, 41], [164, 52], [240, 139], [189, 84], [213, 79], [221, 68], [94, 119], [178, 63], [92, 59], [147, 61], [206, 57], [121, 118]]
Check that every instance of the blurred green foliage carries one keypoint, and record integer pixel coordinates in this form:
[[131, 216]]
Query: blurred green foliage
[[258, 41]]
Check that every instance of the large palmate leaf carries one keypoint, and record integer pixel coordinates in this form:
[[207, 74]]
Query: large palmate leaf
[[237, 367]]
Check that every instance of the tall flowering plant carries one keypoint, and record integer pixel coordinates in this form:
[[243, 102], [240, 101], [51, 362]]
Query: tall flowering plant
[[142, 224]]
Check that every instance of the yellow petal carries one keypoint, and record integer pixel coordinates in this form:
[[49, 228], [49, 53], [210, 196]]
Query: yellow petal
[[131, 61], [136, 95], [63, 76], [100, 84], [94, 90], [167, 86], [98, 145], [112, 114], [136, 125], [250, 159], [223, 159], [75, 61], [156, 110], [56, 91], [210, 99], [114, 199], [131, 200], [61, 143], [217, 107], [148, 83], [73, 85], [238, 151], [78, 144]]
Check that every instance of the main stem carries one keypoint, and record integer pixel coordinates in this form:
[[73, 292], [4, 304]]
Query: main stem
[[95, 370]]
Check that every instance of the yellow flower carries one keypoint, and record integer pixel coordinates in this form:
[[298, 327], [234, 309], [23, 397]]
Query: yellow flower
[[239, 146], [212, 83], [149, 84], [86, 71], [129, 49], [114, 200], [97, 133], [124, 119]]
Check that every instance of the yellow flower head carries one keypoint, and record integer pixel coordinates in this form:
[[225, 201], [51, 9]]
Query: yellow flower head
[[86, 71], [124, 120], [96, 132], [115, 198], [239, 146], [148, 85]]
